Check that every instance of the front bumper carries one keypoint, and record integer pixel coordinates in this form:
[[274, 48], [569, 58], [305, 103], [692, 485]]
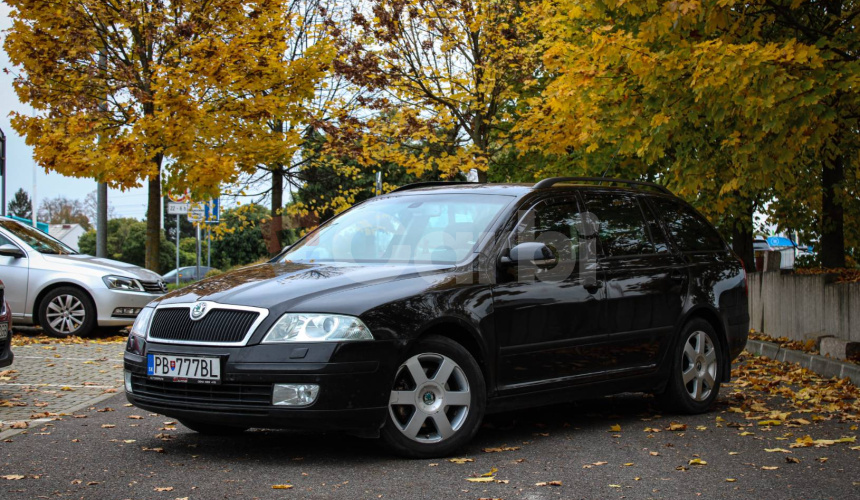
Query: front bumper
[[108, 300], [354, 379]]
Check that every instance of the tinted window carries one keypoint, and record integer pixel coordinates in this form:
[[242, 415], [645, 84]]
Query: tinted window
[[690, 231], [622, 228], [556, 226]]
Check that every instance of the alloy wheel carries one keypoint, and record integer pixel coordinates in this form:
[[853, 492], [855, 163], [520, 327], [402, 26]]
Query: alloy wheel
[[65, 313], [430, 399], [699, 366]]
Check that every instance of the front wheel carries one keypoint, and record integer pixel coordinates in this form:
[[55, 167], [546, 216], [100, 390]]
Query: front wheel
[[437, 400], [694, 382], [67, 311]]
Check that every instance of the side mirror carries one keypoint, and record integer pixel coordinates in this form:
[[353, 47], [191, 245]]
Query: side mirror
[[531, 253], [10, 250]]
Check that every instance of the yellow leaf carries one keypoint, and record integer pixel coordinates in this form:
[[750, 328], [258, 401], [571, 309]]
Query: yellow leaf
[[281, 486], [730, 480], [776, 450], [770, 422], [769, 467], [481, 479], [460, 460], [698, 461], [492, 472], [615, 428]]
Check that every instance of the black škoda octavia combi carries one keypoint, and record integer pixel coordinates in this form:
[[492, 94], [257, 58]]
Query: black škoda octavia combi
[[415, 313]]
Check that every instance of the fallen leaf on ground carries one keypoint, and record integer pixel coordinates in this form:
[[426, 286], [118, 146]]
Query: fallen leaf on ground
[[460, 460], [13, 477], [135, 417], [776, 450], [163, 488], [281, 486], [481, 479], [108, 426], [500, 449], [769, 467], [792, 460], [674, 426], [492, 472], [730, 480], [615, 428], [698, 461]]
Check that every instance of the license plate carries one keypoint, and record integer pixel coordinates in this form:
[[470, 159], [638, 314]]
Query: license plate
[[4, 331], [194, 369]]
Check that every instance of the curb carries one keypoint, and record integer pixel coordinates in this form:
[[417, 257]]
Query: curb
[[826, 367]]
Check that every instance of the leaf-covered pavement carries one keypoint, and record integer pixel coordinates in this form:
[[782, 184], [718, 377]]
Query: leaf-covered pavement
[[776, 432]]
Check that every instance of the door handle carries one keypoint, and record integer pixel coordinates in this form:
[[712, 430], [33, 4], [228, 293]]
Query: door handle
[[593, 286]]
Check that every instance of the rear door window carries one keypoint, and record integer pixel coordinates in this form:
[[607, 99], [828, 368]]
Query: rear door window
[[622, 228], [690, 231]]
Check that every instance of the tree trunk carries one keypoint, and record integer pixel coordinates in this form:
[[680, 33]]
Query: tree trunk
[[153, 220], [742, 234], [833, 213], [277, 225]]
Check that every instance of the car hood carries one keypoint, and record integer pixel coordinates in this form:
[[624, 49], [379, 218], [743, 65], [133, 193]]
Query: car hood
[[99, 266], [278, 284]]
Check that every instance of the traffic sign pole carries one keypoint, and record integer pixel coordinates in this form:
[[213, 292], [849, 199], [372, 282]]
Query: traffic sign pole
[[177, 250]]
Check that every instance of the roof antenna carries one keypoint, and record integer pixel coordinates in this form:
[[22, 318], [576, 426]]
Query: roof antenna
[[612, 162]]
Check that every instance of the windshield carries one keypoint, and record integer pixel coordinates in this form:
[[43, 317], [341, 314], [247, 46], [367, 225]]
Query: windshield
[[37, 240], [437, 229]]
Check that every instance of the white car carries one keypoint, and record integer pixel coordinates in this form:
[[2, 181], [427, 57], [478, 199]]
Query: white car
[[65, 292]]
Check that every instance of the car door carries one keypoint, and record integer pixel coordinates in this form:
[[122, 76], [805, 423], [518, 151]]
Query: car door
[[547, 322], [15, 273], [643, 279]]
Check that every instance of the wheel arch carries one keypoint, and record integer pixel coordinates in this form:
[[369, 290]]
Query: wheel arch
[[53, 286], [461, 332], [713, 318]]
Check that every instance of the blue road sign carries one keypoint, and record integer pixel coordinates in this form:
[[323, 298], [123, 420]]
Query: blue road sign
[[212, 211]]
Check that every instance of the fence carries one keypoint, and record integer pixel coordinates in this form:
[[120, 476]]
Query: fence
[[803, 307]]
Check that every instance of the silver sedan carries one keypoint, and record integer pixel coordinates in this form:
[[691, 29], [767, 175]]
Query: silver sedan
[[49, 284]]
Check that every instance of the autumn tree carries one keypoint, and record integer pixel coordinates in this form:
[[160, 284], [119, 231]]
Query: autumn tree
[[731, 104], [158, 91], [444, 77], [20, 205], [62, 210]]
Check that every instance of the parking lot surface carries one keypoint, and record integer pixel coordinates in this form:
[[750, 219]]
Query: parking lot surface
[[776, 432]]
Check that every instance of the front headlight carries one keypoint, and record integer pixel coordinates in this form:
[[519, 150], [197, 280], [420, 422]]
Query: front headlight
[[137, 336], [309, 327], [123, 283]]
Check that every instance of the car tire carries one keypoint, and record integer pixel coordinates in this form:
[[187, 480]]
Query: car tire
[[437, 400], [67, 311], [212, 429], [697, 367]]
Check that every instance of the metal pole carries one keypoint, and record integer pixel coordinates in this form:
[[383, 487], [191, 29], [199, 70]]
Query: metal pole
[[101, 190], [101, 219], [198, 251], [33, 200], [208, 247], [177, 249], [3, 167]]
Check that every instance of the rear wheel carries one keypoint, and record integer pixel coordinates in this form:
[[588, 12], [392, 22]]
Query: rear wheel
[[212, 429], [437, 400], [66, 311], [694, 382]]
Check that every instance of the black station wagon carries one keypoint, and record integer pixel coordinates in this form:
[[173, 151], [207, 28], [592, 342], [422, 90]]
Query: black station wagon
[[413, 314]]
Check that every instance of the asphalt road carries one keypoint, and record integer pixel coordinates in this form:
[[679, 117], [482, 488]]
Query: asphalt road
[[117, 454]]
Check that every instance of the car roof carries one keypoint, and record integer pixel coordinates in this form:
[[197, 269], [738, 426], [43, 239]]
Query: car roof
[[510, 189]]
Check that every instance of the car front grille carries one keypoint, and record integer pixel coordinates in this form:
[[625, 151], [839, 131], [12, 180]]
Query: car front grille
[[154, 286], [190, 395], [218, 326]]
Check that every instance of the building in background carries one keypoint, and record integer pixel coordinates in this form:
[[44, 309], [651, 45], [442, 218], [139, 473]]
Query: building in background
[[67, 233]]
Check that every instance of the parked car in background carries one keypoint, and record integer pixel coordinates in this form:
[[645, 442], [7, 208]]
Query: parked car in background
[[413, 314], [66, 292], [5, 329], [186, 274]]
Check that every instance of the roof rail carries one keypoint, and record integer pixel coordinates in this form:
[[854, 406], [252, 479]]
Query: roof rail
[[416, 185], [555, 180]]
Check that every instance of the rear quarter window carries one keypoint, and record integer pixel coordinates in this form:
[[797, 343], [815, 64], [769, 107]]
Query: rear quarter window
[[690, 231]]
